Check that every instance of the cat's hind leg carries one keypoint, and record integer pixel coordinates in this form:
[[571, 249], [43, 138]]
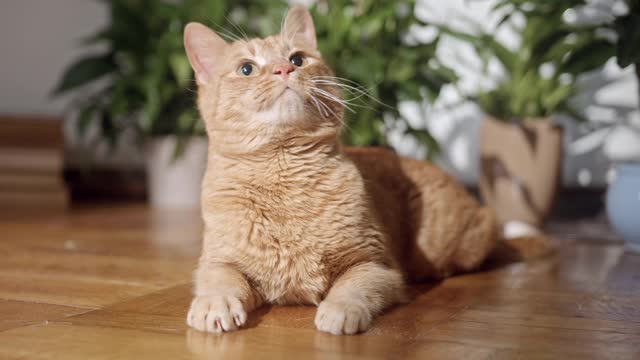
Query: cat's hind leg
[[451, 232], [477, 241]]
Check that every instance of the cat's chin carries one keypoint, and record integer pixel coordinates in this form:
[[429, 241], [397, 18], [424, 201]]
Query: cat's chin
[[287, 108], [283, 112], [291, 93]]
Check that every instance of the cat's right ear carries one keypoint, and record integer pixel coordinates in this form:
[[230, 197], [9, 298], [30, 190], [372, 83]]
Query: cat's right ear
[[300, 23], [204, 49]]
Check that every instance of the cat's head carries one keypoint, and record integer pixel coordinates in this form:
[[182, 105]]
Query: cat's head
[[275, 85]]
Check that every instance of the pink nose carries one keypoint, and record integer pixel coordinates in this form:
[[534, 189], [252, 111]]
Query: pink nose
[[284, 70]]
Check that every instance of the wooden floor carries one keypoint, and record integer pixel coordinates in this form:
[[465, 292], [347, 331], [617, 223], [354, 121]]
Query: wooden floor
[[114, 282]]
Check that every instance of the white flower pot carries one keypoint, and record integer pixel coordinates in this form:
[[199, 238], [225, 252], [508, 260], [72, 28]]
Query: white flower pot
[[175, 183]]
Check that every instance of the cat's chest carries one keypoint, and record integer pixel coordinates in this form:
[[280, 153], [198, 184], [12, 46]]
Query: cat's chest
[[286, 250], [281, 235], [286, 274]]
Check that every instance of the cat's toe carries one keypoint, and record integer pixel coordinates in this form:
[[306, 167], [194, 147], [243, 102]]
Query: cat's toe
[[216, 314], [342, 318]]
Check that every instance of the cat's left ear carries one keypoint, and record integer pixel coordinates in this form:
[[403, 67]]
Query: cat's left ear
[[299, 23], [204, 48]]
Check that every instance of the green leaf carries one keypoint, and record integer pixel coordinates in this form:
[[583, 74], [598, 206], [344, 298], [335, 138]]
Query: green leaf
[[426, 139], [108, 129], [178, 150], [560, 95], [589, 57], [151, 107], [628, 29], [206, 11], [85, 116], [410, 91], [436, 78], [102, 35], [483, 43], [185, 122], [85, 71], [181, 68]]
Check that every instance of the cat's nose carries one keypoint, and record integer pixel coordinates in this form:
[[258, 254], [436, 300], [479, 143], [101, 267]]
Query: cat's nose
[[284, 70]]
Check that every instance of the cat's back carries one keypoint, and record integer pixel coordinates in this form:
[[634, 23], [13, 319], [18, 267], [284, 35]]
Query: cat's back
[[423, 209], [392, 178]]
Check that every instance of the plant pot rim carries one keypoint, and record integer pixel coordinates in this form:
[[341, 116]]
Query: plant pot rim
[[157, 139], [521, 120], [527, 122]]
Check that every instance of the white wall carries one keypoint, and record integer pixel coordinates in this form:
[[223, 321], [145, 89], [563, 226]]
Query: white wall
[[38, 38]]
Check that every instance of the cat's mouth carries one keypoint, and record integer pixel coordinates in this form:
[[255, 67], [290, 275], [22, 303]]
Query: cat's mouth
[[288, 92]]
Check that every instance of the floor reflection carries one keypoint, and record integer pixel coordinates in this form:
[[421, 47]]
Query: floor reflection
[[176, 231]]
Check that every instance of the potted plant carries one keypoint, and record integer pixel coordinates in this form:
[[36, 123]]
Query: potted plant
[[142, 82], [623, 195], [521, 146], [371, 47]]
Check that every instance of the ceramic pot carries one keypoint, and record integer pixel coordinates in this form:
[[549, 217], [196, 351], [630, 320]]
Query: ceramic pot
[[520, 168], [175, 183], [623, 204]]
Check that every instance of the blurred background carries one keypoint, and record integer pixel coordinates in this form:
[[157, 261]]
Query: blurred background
[[97, 97]]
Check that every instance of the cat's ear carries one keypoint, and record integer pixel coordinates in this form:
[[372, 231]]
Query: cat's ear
[[300, 23], [204, 49]]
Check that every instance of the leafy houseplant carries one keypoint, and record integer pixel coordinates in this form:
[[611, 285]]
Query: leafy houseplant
[[520, 147], [541, 73], [145, 77], [622, 205], [365, 42], [142, 80], [627, 28]]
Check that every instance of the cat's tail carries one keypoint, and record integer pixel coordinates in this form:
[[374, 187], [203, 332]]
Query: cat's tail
[[520, 242]]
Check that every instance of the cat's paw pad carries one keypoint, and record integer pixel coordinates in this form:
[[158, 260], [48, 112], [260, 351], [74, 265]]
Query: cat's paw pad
[[342, 318], [216, 314]]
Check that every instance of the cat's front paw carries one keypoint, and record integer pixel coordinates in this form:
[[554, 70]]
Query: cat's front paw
[[216, 314], [342, 318]]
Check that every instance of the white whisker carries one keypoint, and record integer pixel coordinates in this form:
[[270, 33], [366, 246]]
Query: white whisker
[[361, 92], [349, 102], [317, 105], [284, 18], [226, 33], [329, 96], [327, 108], [237, 27], [324, 106]]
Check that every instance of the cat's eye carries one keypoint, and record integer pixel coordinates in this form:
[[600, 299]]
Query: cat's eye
[[297, 60], [246, 69]]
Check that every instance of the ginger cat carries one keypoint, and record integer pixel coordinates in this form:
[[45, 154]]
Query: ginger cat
[[291, 217]]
